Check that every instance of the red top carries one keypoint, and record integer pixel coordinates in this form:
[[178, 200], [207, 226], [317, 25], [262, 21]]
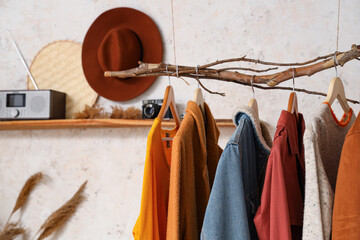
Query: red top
[[280, 214]]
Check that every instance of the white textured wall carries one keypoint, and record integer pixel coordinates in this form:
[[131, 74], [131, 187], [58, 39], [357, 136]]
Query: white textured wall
[[112, 160]]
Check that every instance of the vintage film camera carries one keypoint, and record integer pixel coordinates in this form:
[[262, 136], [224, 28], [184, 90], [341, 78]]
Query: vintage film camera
[[151, 108]]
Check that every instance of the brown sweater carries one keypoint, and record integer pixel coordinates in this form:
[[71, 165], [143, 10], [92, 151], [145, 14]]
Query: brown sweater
[[346, 215], [194, 158]]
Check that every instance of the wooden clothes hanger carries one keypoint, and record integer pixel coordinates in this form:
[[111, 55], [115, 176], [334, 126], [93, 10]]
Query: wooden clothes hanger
[[337, 91], [169, 101], [253, 103], [198, 95], [293, 105], [199, 100], [254, 106], [293, 102]]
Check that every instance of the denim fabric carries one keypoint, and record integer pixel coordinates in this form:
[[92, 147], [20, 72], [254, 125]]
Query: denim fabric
[[237, 187]]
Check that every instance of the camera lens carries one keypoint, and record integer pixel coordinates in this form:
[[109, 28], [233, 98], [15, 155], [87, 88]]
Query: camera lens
[[149, 110]]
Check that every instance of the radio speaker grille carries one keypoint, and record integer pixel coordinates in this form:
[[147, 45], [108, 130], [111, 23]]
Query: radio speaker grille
[[37, 104]]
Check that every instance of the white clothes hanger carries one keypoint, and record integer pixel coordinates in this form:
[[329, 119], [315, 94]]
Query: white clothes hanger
[[293, 102], [253, 103], [337, 91], [199, 99], [198, 95]]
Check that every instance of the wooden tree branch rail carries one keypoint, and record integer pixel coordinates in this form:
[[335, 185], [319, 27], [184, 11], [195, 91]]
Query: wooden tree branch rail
[[307, 68]]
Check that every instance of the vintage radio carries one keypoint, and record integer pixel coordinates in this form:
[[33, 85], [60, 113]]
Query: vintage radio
[[32, 104]]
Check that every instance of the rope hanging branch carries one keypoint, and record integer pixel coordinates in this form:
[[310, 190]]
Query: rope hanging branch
[[231, 74]]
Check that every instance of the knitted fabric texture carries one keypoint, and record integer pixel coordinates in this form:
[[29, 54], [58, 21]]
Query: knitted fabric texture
[[323, 141]]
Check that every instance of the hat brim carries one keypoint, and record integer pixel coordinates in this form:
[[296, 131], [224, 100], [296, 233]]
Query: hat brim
[[118, 89]]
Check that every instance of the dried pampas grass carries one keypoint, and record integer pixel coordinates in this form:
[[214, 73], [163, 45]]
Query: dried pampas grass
[[26, 190], [11, 231], [57, 219], [132, 113], [129, 113], [94, 112], [97, 112], [117, 112]]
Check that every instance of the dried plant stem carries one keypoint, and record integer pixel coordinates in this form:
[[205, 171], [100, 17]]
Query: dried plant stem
[[7, 223], [30, 184], [301, 90], [208, 90], [150, 69], [58, 218], [282, 88], [10, 231], [307, 68], [257, 61], [246, 69]]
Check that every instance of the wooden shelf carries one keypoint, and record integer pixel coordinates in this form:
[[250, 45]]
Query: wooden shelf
[[90, 123]]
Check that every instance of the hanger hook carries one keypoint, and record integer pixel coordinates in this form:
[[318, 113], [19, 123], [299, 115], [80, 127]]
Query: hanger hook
[[293, 77], [197, 75], [177, 71], [167, 65], [335, 63], [252, 86]]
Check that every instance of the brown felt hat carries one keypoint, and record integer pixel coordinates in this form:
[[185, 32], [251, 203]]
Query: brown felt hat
[[117, 40]]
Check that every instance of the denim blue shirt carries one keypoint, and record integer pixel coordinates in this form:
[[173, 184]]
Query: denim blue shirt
[[236, 192]]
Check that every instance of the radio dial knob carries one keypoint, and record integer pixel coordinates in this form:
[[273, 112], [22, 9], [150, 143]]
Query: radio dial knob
[[14, 113]]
